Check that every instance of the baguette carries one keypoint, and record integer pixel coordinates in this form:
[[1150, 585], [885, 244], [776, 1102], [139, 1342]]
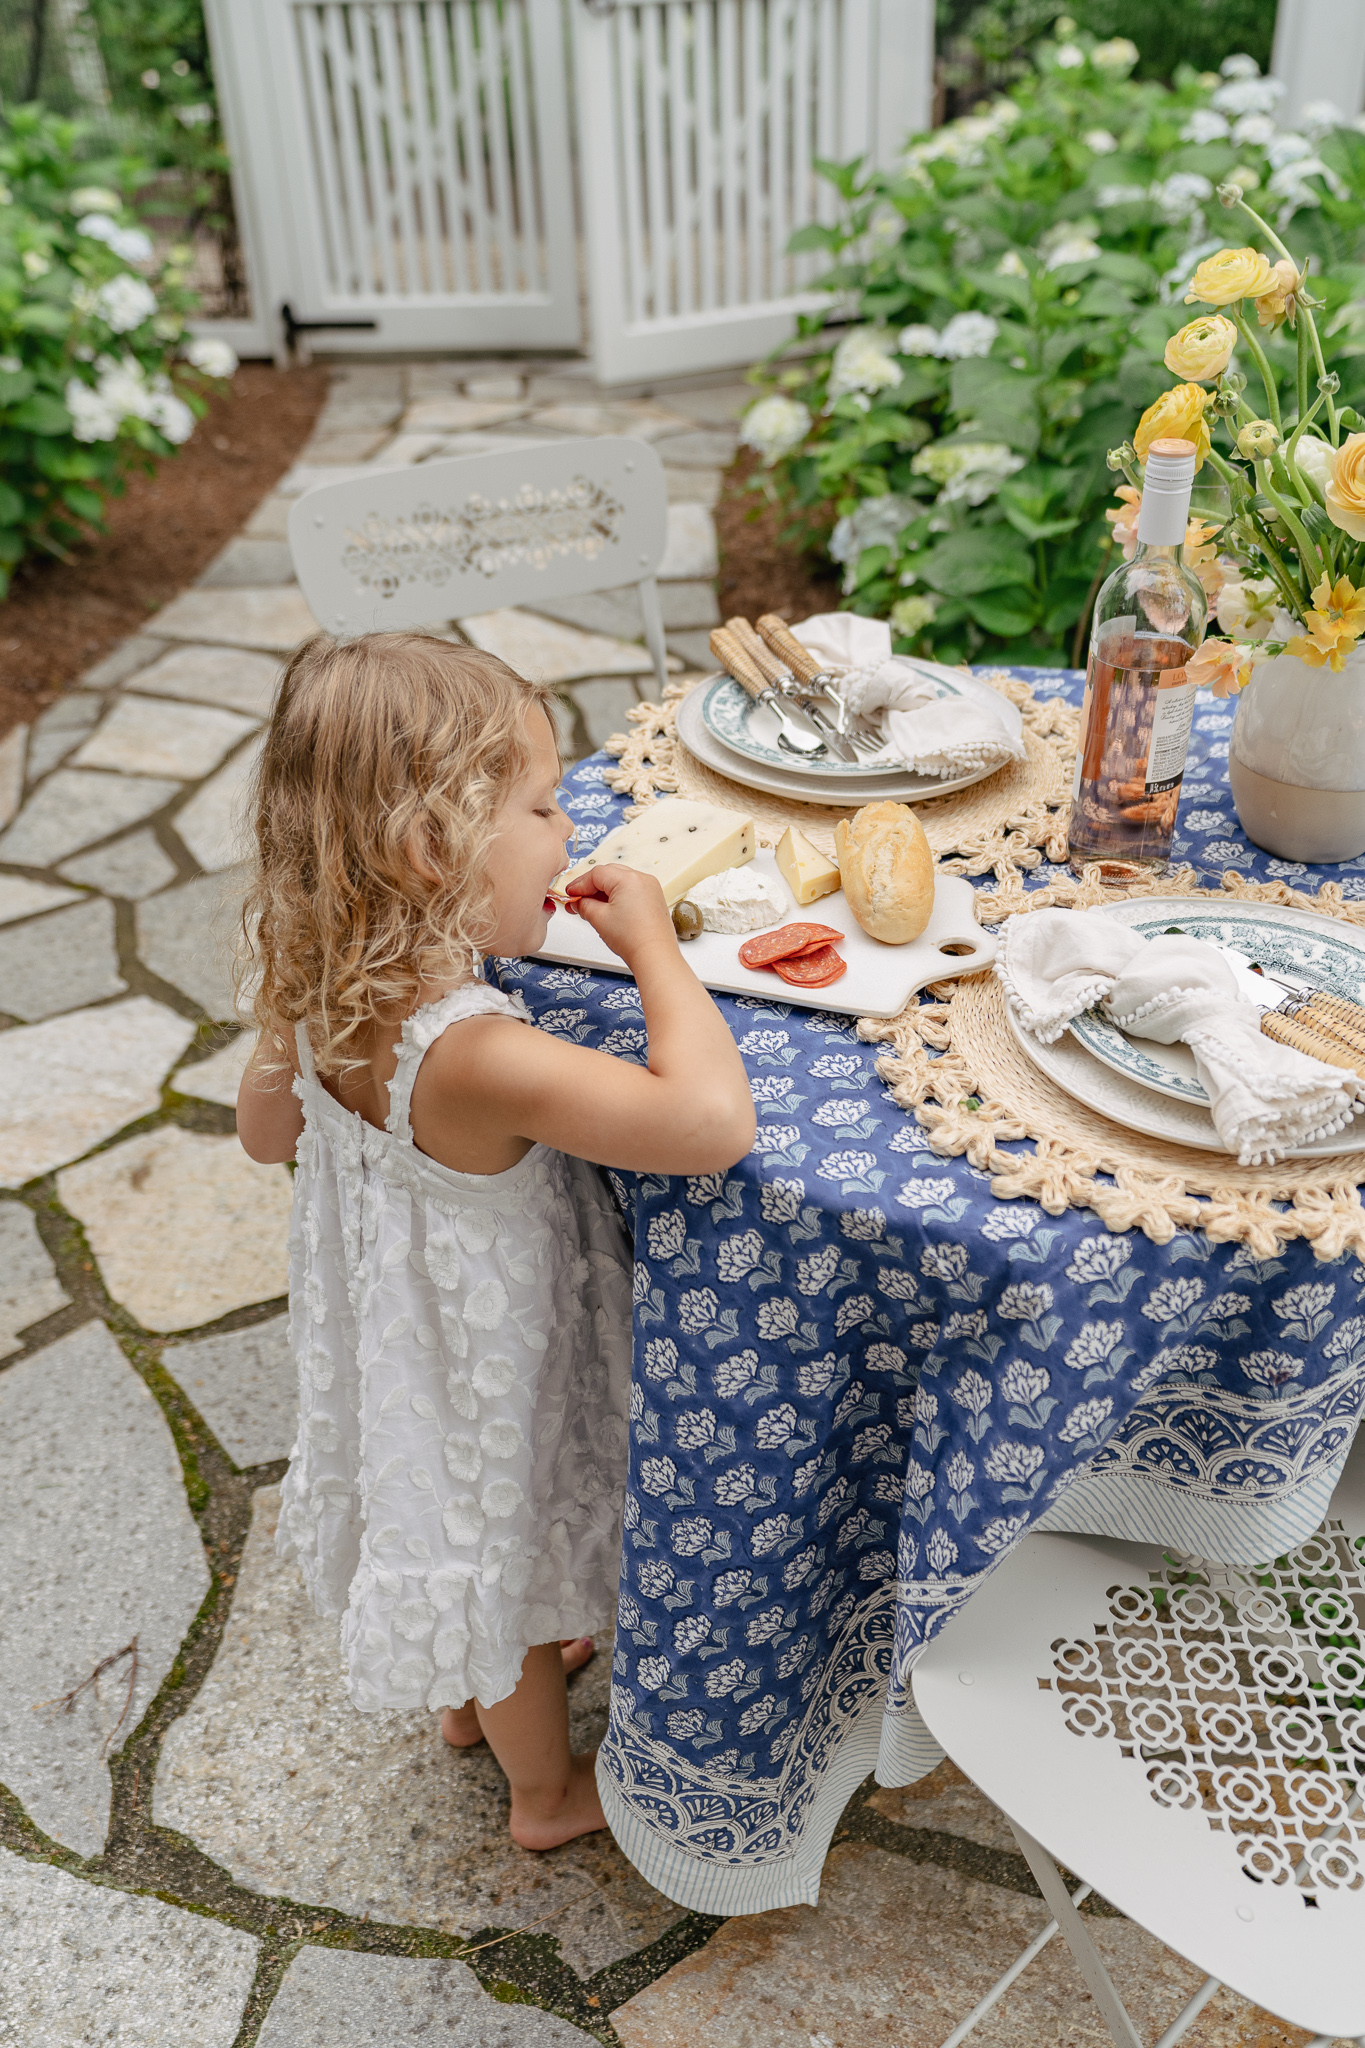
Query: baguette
[[887, 871]]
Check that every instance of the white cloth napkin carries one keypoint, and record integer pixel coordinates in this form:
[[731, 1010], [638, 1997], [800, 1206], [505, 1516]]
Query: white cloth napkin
[[1264, 1098], [927, 732]]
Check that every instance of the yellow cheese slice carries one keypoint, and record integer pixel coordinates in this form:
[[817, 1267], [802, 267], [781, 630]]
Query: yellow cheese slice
[[804, 868], [677, 841]]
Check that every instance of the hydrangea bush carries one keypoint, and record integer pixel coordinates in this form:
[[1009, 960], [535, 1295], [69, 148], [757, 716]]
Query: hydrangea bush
[[97, 373], [1002, 299]]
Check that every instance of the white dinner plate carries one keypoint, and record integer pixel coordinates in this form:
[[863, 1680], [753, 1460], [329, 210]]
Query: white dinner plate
[[1325, 952], [750, 730], [843, 790]]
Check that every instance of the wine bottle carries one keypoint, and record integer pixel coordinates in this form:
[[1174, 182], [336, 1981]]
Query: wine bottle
[[1135, 722]]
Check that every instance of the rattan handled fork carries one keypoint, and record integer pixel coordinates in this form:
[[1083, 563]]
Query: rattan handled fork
[[780, 675], [735, 659], [808, 669]]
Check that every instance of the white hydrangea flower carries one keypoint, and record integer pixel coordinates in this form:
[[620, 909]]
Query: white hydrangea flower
[[775, 425], [1249, 95], [1240, 65], [125, 302], [1116, 56], [9, 364], [876, 522], [1290, 182], [1182, 194], [94, 199], [1100, 141], [1205, 125], [967, 472], [130, 245], [197, 116], [92, 418], [1011, 264], [1323, 114], [862, 363], [918, 339], [967, 334], [1074, 249], [1119, 195], [1287, 148], [1069, 56], [169, 414], [1254, 130]]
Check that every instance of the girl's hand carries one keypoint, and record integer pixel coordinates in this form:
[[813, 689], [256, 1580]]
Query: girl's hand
[[625, 908]]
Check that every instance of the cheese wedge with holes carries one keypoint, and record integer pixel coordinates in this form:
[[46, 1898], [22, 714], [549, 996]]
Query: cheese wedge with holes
[[804, 868], [677, 841]]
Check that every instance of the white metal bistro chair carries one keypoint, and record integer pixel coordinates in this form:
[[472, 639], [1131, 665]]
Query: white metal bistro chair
[[1189, 1738], [397, 548]]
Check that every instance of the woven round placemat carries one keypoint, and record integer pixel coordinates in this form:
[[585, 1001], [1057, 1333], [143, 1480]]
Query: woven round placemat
[[1009, 822], [956, 1063]]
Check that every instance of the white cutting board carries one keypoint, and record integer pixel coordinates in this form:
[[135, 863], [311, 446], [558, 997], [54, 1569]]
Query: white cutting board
[[880, 979]]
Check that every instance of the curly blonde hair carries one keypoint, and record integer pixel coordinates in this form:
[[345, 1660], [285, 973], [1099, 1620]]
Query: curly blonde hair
[[379, 748]]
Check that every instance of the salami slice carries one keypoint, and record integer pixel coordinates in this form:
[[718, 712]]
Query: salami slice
[[766, 948], [812, 970]]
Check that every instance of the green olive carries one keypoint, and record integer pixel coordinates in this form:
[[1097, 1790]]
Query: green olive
[[687, 920]]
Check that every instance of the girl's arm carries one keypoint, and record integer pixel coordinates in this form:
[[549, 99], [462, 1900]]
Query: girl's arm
[[689, 1111], [269, 1114]]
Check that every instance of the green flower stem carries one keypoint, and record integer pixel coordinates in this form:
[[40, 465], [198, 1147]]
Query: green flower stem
[[1258, 356], [1303, 313], [1266, 230], [1302, 366], [1308, 549], [1286, 584]]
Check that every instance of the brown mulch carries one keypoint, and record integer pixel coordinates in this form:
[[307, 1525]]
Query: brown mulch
[[61, 617], [760, 571]]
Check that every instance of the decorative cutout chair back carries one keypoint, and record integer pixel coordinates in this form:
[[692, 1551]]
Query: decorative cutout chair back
[[1187, 1736], [445, 540]]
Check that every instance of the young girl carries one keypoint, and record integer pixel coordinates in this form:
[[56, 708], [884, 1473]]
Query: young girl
[[459, 1292]]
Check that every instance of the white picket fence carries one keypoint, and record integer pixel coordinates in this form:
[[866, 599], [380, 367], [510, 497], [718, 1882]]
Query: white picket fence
[[460, 174]]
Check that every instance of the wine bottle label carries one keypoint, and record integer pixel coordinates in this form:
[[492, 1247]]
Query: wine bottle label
[[1170, 741]]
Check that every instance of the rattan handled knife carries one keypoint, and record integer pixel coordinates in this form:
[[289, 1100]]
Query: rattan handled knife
[[796, 732], [780, 674]]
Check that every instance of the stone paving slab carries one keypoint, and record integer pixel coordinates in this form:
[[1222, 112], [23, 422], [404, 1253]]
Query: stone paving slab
[[150, 736], [21, 898], [58, 961], [691, 550], [604, 702], [188, 937], [247, 563], [12, 751], [345, 444], [29, 1287], [948, 1801], [97, 1545], [334, 1999], [898, 1953], [214, 823], [131, 868], [245, 1385], [718, 405], [75, 808], [461, 415], [270, 520], [84, 1966], [617, 612], [276, 621], [185, 1227], [232, 677], [700, 448], [62, 726], [551, 653], [122, 661], [636, 416], [218, 1078], [692, 486], [71, 1083], [275, 1775]]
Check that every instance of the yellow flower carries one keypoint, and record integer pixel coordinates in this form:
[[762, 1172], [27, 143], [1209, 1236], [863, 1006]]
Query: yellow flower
[[1257, 439], [1223, 667], [1231, 274], [1345, 492], [1281, 301], [1177, 415], [1202, 350], [1124, 519], [1201, 556], [1334, 625]]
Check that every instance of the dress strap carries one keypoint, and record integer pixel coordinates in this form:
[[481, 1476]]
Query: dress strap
[[307, 1070], [421, 1031]]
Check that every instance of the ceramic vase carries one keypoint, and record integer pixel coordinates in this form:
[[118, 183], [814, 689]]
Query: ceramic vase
[[1296, 766]]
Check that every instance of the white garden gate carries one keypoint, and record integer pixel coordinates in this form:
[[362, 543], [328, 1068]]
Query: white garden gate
[[451, 174]]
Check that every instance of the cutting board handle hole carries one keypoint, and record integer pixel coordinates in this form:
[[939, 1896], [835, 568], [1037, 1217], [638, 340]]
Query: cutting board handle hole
[[958, 948]]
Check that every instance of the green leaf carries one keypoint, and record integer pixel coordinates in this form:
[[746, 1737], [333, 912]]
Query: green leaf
[[992, 284], [40, 318], [1104, 300], [14, 385], [1007, 612], [1065, 599], [977, 559], [813, 236], [921, 378], [1130, 270], [11, 546], [11, 506], [1037, 529], [1002, 402], [41, 414], [85, 504]]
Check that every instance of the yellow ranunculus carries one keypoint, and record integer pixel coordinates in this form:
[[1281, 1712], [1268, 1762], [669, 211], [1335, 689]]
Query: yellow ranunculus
[[1258, 439], [1335, 624], [1345, 490], [1231, 274], [1202, 350], [1281, 301], [1177, 415]]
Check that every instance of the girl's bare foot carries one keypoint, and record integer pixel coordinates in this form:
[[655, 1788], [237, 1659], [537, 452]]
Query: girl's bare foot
[[544, 1821], [460, 1725]]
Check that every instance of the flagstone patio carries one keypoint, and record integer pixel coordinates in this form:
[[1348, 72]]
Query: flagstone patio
[[200, 1841]]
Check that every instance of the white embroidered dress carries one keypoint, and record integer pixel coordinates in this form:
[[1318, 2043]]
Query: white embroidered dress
[[463, 1345]]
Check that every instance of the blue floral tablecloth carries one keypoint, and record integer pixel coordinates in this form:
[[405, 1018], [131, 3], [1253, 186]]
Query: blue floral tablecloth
[[860, 1379]]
